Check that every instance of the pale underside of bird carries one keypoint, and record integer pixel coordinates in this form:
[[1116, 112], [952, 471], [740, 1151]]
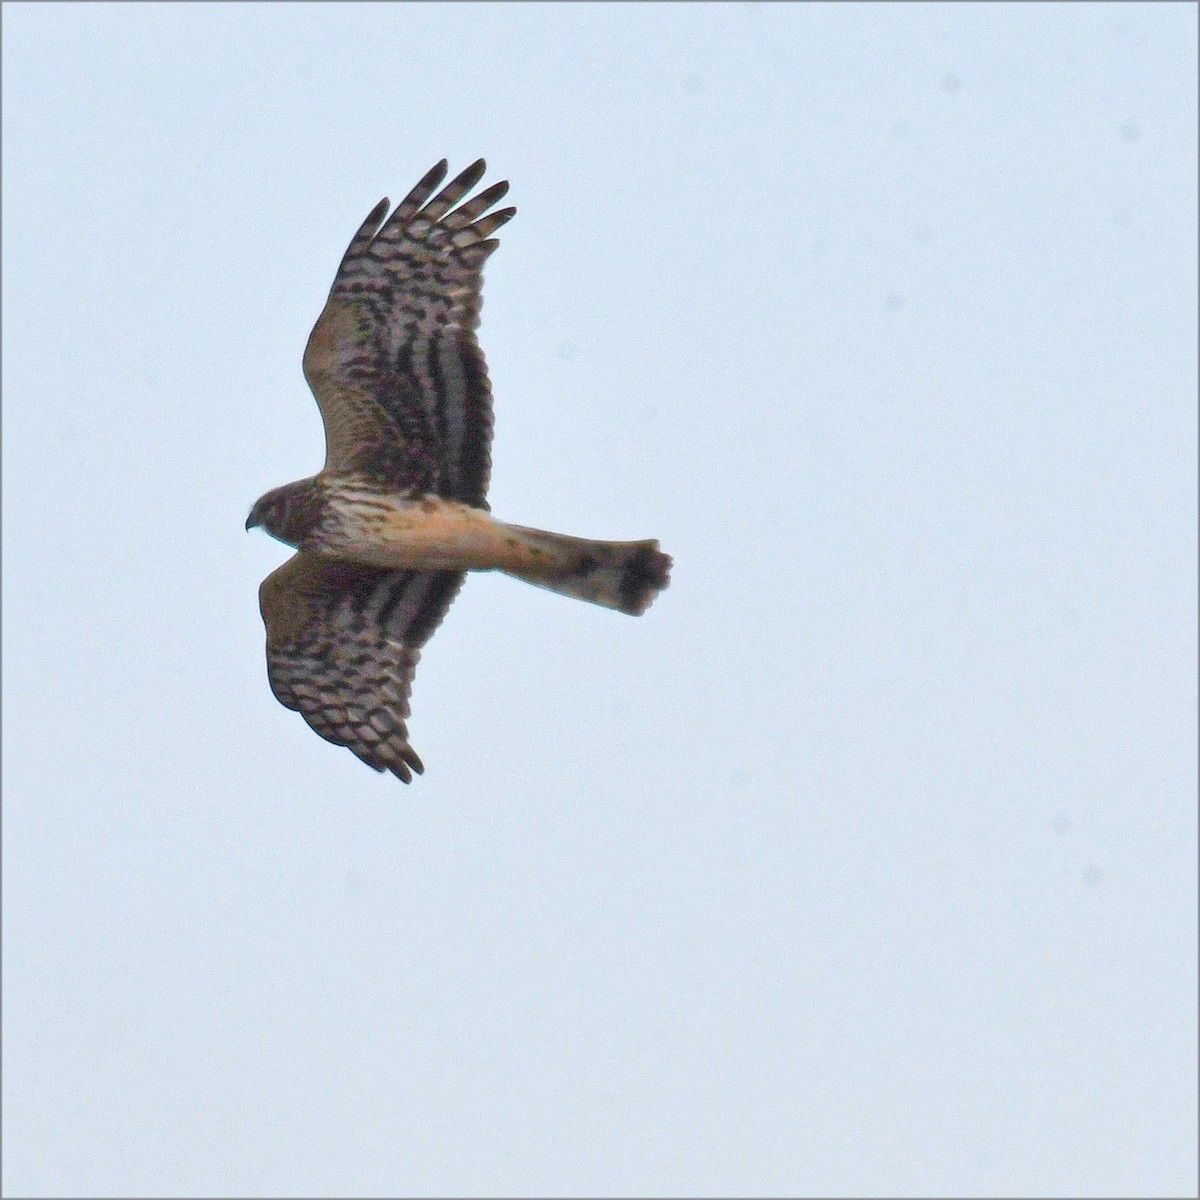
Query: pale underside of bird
[[385, 531]]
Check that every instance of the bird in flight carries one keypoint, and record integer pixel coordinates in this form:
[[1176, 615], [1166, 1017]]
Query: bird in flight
[[385, 532]]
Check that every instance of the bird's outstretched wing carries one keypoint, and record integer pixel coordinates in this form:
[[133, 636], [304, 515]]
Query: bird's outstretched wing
[[393, 360], [342, 645]]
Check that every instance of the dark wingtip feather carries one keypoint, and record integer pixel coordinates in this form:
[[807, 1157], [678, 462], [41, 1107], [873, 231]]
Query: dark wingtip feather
[[420, 193], [488, 225], [402, 760]]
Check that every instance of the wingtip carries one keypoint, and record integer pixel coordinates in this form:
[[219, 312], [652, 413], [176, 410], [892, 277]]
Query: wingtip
[[434, 176], [467, 178], [403, 762]]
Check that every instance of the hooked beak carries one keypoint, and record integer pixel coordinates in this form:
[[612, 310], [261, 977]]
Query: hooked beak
[[253, 519]]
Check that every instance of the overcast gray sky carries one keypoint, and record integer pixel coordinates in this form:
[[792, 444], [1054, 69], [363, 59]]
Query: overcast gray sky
[[864, 863]]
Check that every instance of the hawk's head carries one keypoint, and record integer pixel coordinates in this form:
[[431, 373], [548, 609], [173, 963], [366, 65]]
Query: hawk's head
[[286, 513]]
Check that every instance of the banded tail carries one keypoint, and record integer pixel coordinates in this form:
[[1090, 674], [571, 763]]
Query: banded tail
[[621, 575]]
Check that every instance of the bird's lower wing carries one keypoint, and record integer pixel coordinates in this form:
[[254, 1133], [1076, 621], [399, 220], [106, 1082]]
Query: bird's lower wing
[[342, 647]]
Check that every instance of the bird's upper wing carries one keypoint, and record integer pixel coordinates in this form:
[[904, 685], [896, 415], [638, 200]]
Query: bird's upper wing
[[393, 360], [342, 645]]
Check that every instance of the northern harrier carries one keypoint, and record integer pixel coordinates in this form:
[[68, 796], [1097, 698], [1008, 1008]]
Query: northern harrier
[[388, 527]]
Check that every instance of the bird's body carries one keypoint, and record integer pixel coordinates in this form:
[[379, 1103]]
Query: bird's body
[[352, 520], [385, 531]]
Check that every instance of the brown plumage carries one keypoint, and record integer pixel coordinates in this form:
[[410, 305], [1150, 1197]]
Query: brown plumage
[[387, 529]]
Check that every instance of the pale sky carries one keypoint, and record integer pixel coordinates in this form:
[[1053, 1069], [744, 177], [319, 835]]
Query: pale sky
[[864, 863]]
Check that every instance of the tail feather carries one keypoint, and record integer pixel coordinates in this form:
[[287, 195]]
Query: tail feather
[[621, 575]]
